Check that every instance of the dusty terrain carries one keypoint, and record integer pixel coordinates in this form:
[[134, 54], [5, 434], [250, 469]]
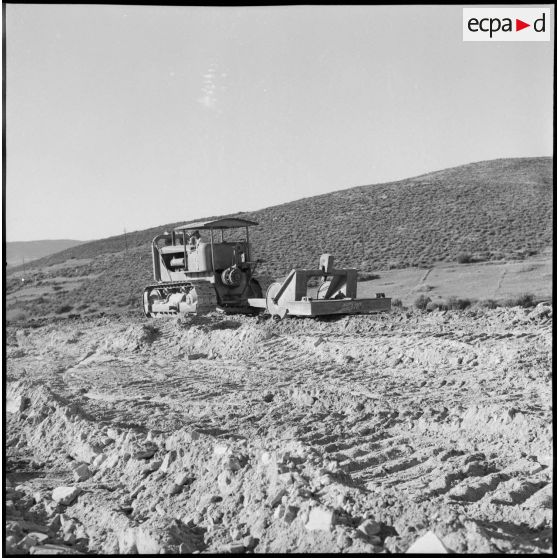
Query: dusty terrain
[[237, 434]]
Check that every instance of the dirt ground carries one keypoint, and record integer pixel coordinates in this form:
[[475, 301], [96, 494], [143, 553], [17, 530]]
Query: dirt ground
[[239, 434]]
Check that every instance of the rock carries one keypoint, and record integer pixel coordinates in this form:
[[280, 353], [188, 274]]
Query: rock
[[325, 479], [224, 481], [16, 403], [318, 341], [266, 458], [39, 496], [52, 549], [196, 356], [343, 540], [429, 543], [99, 460], [66, 494], [82, 473], [86, 452], [127, 542], [257, 529], [68, 524], [276, 498], [182, 478], [69, 538], [31, 526], [369, 527], [39, 537], [232, 463], [145, 453], [169, 458], [220, 450], [540, 311], [27, 542], [55, 523], [286, 478], [51, 507], [249, 542], [290, 513], [110, 462], [113, 433], [235, 533], [320, 519], [174, 488], [151, 467]]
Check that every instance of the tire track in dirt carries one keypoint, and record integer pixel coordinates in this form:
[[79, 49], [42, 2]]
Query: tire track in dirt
[[420, 419]]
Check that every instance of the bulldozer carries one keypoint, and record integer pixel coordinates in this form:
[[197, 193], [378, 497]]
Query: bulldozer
[[199, 274], [196, 274]]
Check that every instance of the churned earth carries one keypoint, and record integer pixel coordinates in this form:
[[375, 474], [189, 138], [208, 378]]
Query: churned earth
[[241, 434]]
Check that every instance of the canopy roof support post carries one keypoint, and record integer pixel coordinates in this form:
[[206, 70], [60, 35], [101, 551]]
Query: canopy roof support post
[[248, 258], [212, 255]]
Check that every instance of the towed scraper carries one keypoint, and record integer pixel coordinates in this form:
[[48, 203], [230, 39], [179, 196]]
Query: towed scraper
[[337, 294]]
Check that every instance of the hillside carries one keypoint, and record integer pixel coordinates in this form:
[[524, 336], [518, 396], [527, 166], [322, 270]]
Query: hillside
[[491, 210], [18, 252]]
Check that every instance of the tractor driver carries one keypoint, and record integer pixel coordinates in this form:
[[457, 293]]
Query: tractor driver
[[195, 239]]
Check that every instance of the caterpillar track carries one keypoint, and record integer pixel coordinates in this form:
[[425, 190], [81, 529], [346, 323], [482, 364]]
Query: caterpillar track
[[179, 297]]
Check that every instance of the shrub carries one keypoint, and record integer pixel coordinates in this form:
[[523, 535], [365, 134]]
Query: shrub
[[488, 303], [431, 306], [397, 302], [526, 300], [422, 301], [365, 276], [464, 258], [455, 303]]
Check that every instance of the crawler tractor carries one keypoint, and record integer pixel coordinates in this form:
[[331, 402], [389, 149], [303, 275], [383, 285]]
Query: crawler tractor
[[196, 274], [199, 275]]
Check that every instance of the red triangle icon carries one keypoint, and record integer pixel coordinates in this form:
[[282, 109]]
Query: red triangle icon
[[519, 25]]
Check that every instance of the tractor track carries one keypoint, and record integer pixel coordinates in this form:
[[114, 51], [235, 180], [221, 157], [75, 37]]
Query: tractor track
[[437, 421]]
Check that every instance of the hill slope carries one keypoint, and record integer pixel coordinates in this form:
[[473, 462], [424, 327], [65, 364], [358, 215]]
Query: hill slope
[[35, 249], [490, 210]]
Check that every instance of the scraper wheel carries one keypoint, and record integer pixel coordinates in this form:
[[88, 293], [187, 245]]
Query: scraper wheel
[[277, 311]]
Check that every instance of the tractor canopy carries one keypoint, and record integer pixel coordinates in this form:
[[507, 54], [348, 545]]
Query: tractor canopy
[[225, 223]]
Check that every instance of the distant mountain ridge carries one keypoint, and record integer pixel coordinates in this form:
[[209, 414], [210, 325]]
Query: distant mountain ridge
[[20, 252]]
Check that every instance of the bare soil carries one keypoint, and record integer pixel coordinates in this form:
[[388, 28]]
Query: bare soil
[[239, 434]]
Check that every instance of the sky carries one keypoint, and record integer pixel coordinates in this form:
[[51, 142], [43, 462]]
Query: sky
[[130, 117]]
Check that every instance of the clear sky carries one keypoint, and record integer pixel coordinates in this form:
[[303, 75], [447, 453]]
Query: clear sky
[[136, 116]]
